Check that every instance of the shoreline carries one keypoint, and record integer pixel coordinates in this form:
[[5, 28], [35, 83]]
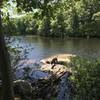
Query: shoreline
[[66, 37]]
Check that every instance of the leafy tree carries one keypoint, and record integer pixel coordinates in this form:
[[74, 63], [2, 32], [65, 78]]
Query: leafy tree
[[46, 8], [96, 24], [77, 18], [59, 26], [45, 30]]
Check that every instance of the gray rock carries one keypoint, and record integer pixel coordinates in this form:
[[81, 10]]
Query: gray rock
[[23, 89]]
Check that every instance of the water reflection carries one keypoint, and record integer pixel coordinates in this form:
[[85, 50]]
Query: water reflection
[[41, 47]]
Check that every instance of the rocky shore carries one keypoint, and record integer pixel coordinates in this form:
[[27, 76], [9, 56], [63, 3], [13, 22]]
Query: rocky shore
[[49, 82]]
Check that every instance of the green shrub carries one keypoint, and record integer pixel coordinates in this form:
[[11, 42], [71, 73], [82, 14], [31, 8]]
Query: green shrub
[[86, 77]]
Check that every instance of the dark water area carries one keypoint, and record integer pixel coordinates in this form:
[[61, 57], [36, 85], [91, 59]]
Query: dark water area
[[41, 47]]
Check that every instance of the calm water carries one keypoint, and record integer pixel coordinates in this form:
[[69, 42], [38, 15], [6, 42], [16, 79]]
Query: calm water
[[38, 48], [42, 47]]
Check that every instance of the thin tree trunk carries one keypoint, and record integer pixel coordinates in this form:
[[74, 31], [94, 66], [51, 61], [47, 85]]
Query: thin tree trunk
[[5, 68]]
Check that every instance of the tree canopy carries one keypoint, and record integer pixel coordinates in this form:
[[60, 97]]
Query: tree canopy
[[55, 18]]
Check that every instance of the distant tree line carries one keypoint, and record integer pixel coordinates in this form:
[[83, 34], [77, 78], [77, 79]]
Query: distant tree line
[[56, 18]]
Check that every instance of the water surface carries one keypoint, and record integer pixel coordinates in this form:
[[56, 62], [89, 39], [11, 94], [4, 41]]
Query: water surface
[[42, 47]]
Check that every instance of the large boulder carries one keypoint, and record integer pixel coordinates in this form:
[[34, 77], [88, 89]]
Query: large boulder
[[55, 69]]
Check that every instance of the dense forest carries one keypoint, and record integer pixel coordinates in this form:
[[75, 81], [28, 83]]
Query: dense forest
[[55, 18]]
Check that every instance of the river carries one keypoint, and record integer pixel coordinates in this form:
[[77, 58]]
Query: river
[[38, 48], [42, 47]]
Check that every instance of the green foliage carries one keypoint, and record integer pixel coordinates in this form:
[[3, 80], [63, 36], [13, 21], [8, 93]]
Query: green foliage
[[46, 27], [16, 54], [58, 27], [96, 24], [55, 18], [24, 25], [86, 77]]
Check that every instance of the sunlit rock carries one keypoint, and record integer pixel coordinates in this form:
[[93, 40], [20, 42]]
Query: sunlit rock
[[60, 58], [56, 69]]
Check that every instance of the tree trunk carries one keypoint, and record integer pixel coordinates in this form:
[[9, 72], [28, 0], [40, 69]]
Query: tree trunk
[[5, 68]]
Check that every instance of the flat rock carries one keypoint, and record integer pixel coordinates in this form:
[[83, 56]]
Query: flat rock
[[60, 57], [57, 69]]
